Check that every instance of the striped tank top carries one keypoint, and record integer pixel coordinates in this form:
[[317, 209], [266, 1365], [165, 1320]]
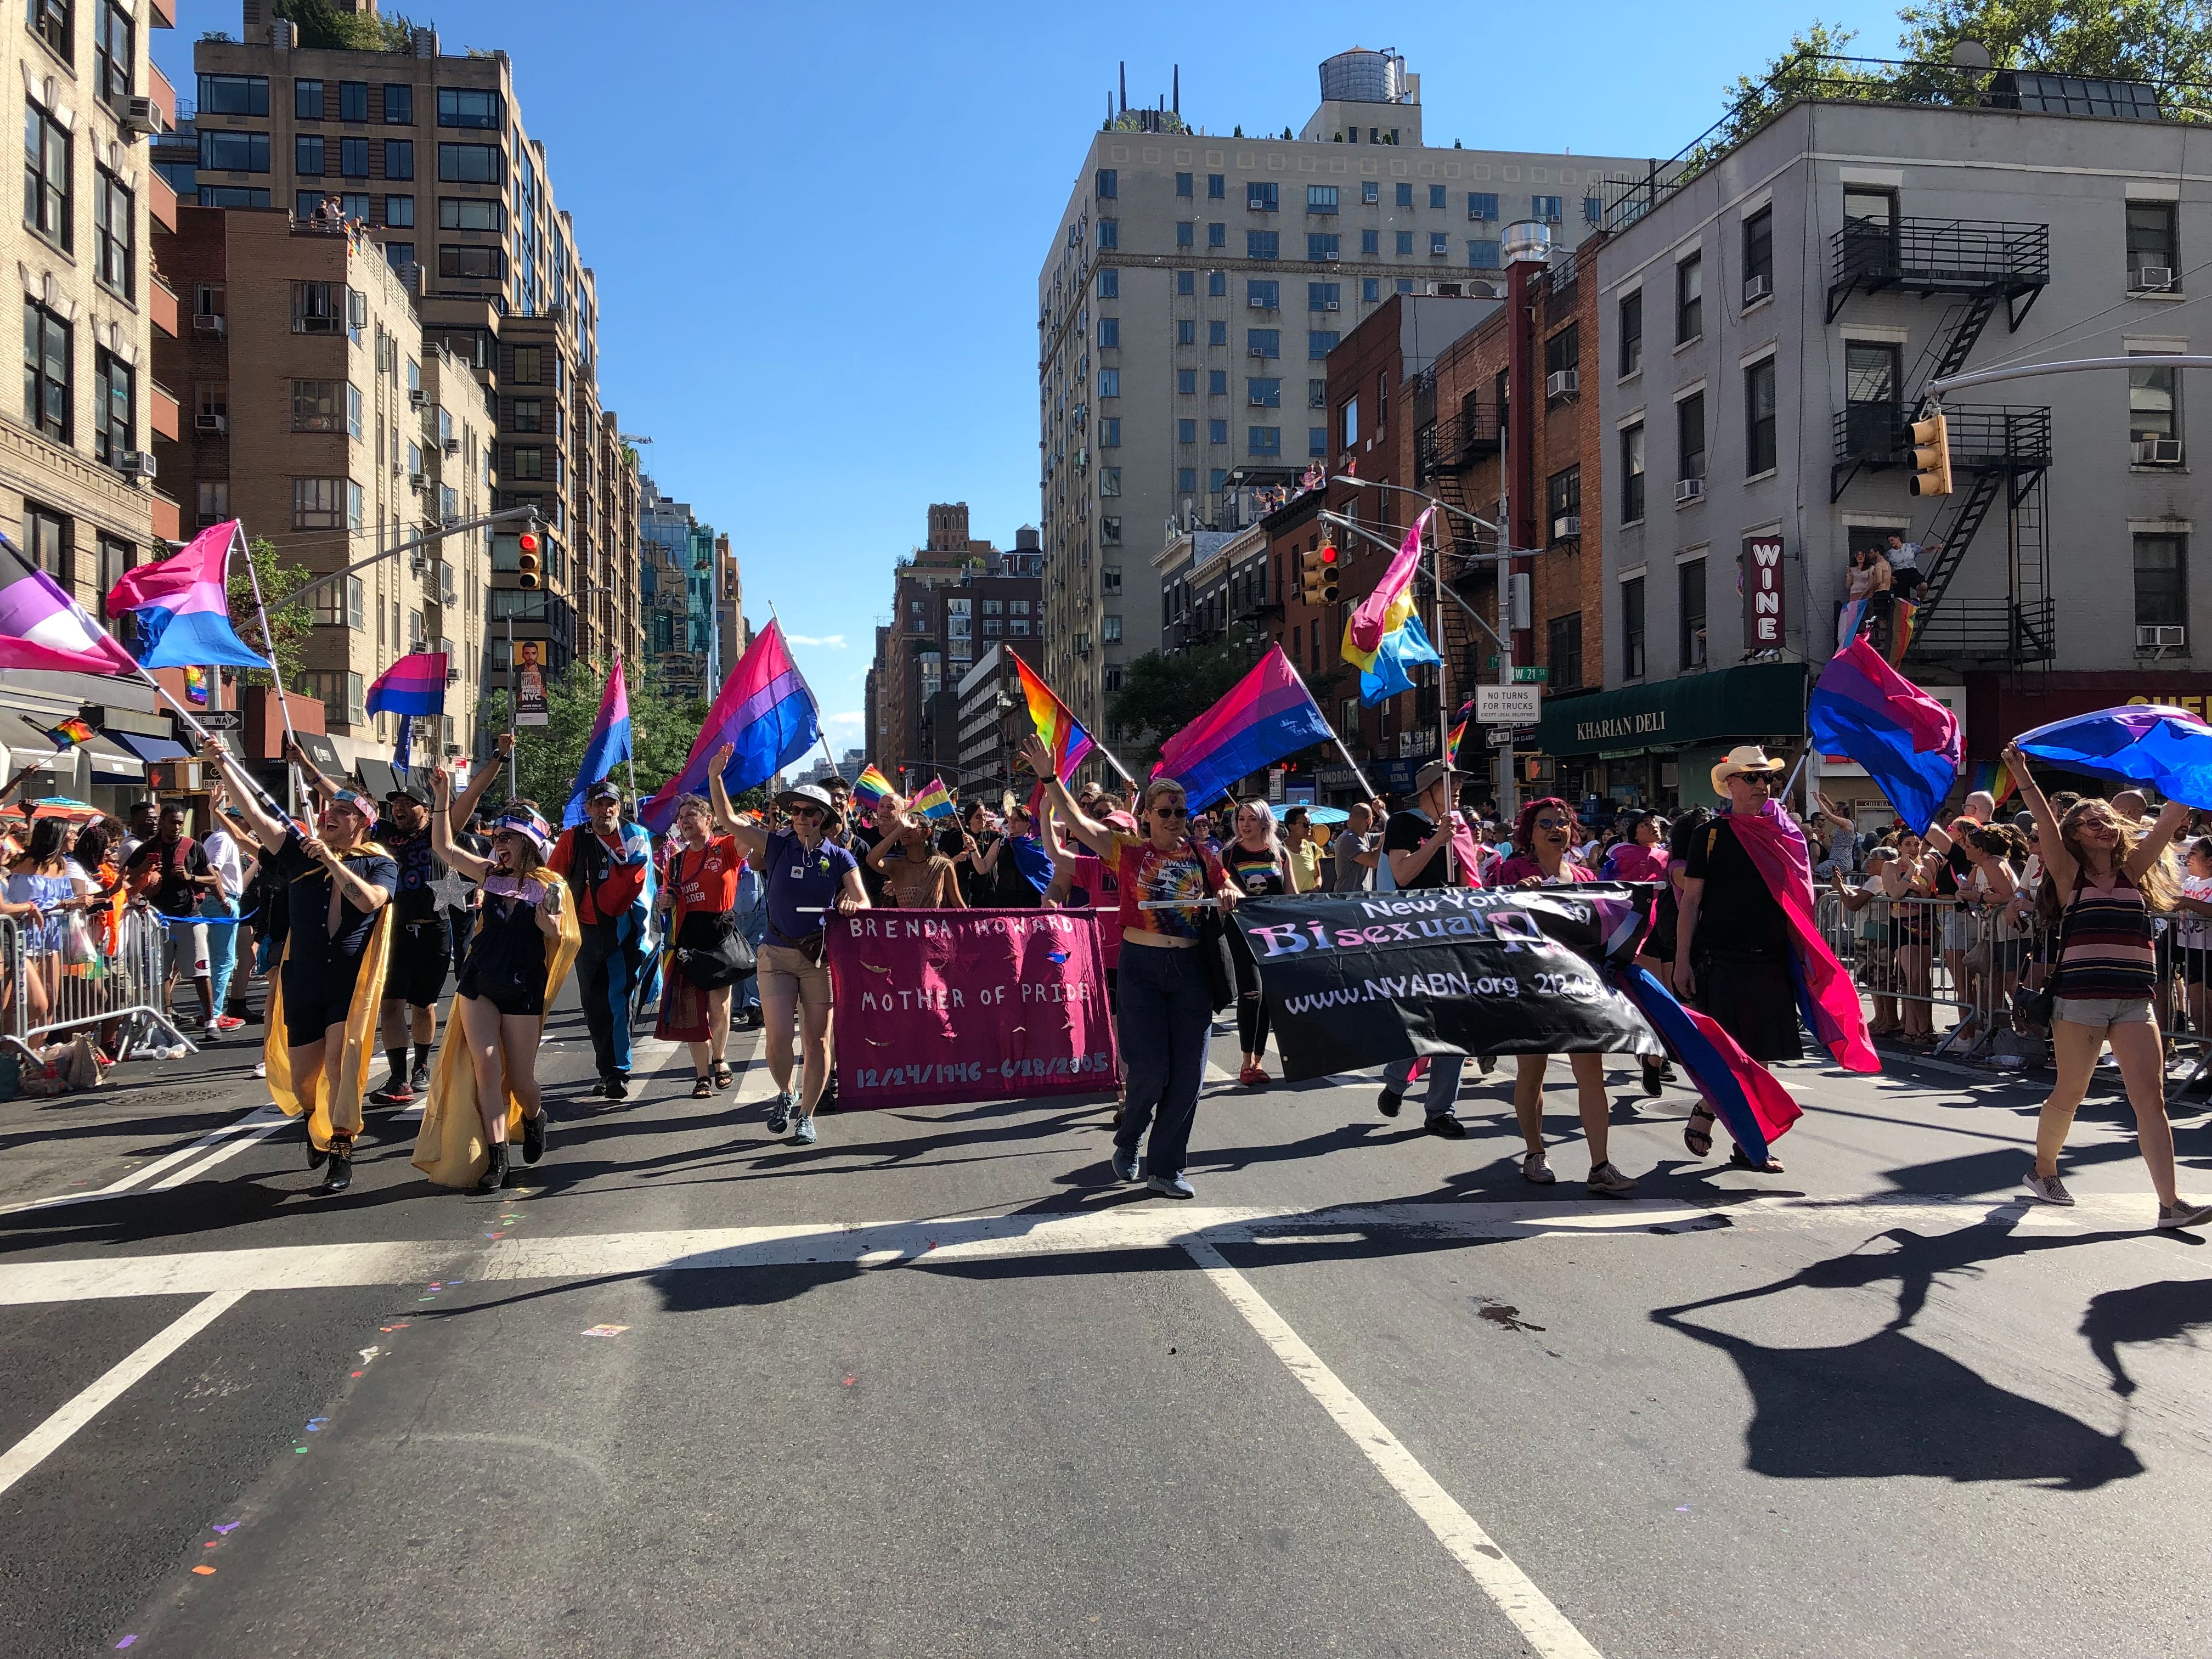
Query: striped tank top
[[2108, 951]]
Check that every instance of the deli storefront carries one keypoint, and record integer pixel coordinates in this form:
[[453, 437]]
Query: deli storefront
[[1656, 746]]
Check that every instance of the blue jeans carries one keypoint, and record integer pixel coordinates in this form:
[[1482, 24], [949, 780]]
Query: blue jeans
[[1444, 1082], [222, 947], [1165, 1026], [754, 925]]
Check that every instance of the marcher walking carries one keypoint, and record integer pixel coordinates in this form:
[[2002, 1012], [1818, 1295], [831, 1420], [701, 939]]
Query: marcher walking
[[700, 902], [1430, 845], [1260, 865], [607, 861]]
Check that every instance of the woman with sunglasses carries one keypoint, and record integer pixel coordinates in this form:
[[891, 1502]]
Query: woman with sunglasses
[[1545, 839], [701, 900], [2104, 877], [808, 878], [1165, 881], [1260, 864]]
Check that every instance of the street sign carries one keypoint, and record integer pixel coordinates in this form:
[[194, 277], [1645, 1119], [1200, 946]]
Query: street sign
[[1509, 705], [221, 720], [1534, 675]]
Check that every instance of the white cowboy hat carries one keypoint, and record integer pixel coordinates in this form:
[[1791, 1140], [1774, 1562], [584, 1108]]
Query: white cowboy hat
[[1741, 761]]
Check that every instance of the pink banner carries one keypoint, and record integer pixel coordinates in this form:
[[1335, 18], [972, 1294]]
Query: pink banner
[[935, 1007]]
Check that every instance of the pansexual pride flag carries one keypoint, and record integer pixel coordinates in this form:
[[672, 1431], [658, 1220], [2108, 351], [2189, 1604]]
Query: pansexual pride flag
[[871, 787], [41, 627], [1384, 636], [1266, 716], [606, 747], [416, 684], [764, 710], [1055, 724], [933, 802], [182, 608]]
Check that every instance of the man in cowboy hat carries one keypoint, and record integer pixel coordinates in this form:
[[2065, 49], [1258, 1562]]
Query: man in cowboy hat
[[1732, 943]]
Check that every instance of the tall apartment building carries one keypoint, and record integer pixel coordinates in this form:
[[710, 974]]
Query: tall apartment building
[[318, 416], [684, 648], [430, 151], [1189, 277], [1770, 317], [77, 488]]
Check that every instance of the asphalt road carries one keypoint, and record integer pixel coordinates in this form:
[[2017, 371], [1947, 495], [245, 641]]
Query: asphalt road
[[932, 1387]]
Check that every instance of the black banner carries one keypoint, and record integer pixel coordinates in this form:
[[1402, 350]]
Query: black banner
[[1354, 980]]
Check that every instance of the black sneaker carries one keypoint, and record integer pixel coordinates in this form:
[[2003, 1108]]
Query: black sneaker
[[828, 1102], [616, 1088], [1652, 1085], [340, 1175], [1389, 1101], [602, 1090], [1447, 1126], [494, 1174], [316, 1155], [395, 1092], [533, 1136]]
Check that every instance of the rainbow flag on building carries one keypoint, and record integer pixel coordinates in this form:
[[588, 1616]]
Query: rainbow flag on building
[[1904, 621], [933, 802]]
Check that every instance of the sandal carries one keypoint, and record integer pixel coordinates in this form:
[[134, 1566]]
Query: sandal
[[1739, 1159], [701, 1088], [1693, 1135], [722, 1074]]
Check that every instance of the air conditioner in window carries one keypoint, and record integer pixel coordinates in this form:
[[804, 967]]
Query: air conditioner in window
[[209, 322], [415, 396], [2159, 635], [1562, 383], [2158, 452], [1689, 489], [1567, 524], [453, 446], [1756, 289], [1261, 351], [138, 116], [452, 675], [222, 424], [1332, 305], [2154, 279], [415, 483], [1257, 302], [135, 464]]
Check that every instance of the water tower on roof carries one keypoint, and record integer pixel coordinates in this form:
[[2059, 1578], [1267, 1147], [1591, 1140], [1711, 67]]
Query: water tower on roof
[[1367, 97]]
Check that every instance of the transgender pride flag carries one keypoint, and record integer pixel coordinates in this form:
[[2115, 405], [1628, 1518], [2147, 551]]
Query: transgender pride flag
[[183, 609], [41, 627]]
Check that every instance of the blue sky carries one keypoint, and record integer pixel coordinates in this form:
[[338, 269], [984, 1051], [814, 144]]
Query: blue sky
[[817, 233]]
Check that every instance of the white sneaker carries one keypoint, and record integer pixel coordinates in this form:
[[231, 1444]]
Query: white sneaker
[[261, 1068], [2184, 1214]]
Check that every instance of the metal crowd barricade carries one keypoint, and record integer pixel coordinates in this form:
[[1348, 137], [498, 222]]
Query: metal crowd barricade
[[118, 994]]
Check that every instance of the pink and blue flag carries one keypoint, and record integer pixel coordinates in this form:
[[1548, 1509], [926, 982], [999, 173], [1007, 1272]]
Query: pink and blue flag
[[416, 684], [2147, 742], [1908, 742], [764, 709], [1743, 1094], [42, 627], [1266, 716], [182, 606], [1827, 994], [606, 747]]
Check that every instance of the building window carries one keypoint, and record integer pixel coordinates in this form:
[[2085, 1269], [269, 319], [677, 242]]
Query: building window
[[399, 158], [1436, 196], [1109, 432], [1109, 484], [319, 503], [1110, 382], [1217, 432], [2153, 404], [233, 152], [354, 412], [1370, 290], [398, 104], [307, 100], [530, 463], [1187, 477], [1109, 575], [1108, 185], [1262, 245], [1690, 299], [315, 308], [399, 212], [1563, 352], [1546, 209], [353, 100], [1183, 185], [2152, 245], [1186, 383], [1217, 479], [1217, 383], [1109, 332], [1402, 243], [1186, 332], [315, 405], [45, 372], [46, 175], [1631, 628], [115, 408], [1187, 284], [1317, 440], [471, 164], [1110, 234], [1217, 235], [1264, 342], [111, 51], [525, 414], [49, 22], [1631, 473], [1264, 394], [1187, 431], [1110, 530], [528, 364], [1690, 435], [308, 155], [1563, 503], [1109, 283], [353, 158], [1217, 186], [1320, 342], [1371, 192], [1260, 198], [1217, 284], [1758, 436], [1593, 209], [112, 221], [399, 254], [2161, 582], [1759, 255], [1321, 198], [469, 213], [1482, 254], [46, 536], [214, 500], [232, 196], [1439, 244], [1370, 242], [1263, 295], [233, 94], [1690, 587], [462, 260], [470, 107], [1564, 651], [1481, 205], [1109, 630]]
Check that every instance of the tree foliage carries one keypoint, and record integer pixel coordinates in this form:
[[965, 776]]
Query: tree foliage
[[1162, 692], [321, 24], [290, 621], [2157, 40]]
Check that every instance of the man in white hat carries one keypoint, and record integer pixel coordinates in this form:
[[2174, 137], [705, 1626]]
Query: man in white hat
[[1732, 943]]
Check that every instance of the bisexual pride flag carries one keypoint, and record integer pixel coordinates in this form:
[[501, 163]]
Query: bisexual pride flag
[[416, 684], [42, 627], [764, 710], [1266, 716], [183, 607], [1907, 741], [606, 747]]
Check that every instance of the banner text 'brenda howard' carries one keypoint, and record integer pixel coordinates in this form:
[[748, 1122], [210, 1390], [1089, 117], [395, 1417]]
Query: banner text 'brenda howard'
[[946, 1006]]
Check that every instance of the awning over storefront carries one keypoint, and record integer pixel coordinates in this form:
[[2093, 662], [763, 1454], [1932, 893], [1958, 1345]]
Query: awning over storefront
[[32, 747], [1756, 699], [111, 761], [2000, 707], [376, 780], [321, 750], [151, 749]]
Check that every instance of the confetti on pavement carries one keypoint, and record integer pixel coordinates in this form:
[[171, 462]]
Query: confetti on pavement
[[606, 1330], [228, 1526], [204, 1570], [126, 1642]]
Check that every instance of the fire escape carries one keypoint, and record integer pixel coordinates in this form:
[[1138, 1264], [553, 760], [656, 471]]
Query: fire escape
[[1998, 451], [1445, 450]]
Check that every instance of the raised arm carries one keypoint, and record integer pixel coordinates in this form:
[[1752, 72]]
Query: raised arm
[[751, 837], [268, 829], [2151, 846], [1098, 837], [442, 829], [465, 807], [317, 782], [2058, 864]]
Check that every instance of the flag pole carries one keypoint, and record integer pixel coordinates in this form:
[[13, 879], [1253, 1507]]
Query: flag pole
[[1367, 788], [629, 760], [275, 669], [821, 737], [1443, 654]]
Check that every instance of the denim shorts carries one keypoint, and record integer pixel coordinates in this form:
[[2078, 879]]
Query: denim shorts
[[2103, 1012]]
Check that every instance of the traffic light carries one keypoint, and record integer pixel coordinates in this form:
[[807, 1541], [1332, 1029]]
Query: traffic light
[[525, 560], [1317, 575], [1328, 573], [1931, 456]]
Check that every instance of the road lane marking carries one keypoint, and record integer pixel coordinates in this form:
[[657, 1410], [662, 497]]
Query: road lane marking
[[34, 1448], [257, 1123], [587, 1256], [1547, 1630], [254, 1128]]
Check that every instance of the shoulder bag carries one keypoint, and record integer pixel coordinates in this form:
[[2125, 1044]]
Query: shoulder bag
[[1213, 936]]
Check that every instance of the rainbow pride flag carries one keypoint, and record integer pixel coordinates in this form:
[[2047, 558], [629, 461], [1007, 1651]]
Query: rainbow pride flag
[[1906, 620], [1458, 731], [71, 732], [1996, 778], [933, 802], [1062, 734], [871, 787]]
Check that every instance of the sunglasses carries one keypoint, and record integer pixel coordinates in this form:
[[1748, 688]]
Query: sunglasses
[[1552, 823], [806, 811], [1170, 811]]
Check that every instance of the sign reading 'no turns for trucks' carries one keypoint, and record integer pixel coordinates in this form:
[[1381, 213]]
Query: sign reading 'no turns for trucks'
[[1509, 705], [1764, 621]]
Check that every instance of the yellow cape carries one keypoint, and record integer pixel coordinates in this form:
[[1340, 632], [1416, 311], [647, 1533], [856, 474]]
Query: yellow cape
[[450, 1147], [340, 1102]]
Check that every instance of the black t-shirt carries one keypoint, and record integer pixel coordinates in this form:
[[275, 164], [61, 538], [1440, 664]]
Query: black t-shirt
[[1404, 833], [979, 891], [309, 886], [419, 869], [862, 841], [174, 894], [1737, 916]]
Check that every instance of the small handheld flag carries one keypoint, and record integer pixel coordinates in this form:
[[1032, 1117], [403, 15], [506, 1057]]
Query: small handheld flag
[[871, 787], [607, 747], [933, 802], [71, 732], [764, 710], [1064, 737]]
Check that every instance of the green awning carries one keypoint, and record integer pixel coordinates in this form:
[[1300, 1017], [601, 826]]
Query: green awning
[[1756, 699]]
